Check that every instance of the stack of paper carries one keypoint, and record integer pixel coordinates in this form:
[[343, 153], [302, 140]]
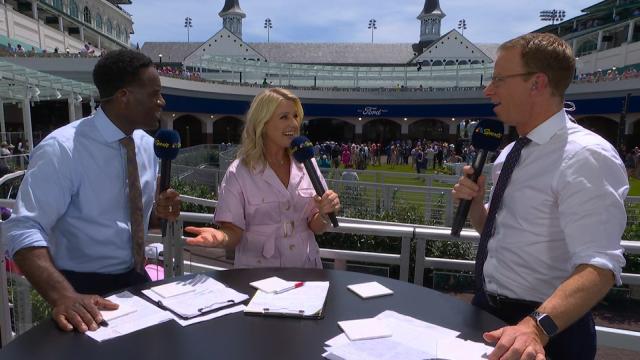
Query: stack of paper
[[133, 314], [194, 297], [364, 329], [272, 285], [370, 289], [411, 339], [306, 301]]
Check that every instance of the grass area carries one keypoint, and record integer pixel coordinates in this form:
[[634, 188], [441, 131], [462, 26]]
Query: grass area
[[634, 184], [634, 187]]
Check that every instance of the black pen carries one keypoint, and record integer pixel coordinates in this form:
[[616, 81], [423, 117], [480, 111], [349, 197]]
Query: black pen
[[103, 323]]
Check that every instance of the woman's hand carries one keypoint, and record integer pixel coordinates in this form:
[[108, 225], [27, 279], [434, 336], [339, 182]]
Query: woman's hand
[[208, 237], [328, 203]]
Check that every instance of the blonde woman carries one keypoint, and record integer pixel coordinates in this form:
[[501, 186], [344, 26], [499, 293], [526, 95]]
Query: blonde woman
[[267, 208]]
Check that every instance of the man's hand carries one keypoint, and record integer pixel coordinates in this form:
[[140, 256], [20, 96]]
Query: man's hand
[[466, 189], [168, 205], [523, 341], [80, 312]]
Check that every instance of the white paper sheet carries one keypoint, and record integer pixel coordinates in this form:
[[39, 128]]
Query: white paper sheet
[[364, 329], [145, 315], [207, 295], [370, 289], [304, 301], [272, 285], [411, 339], [122, 310]]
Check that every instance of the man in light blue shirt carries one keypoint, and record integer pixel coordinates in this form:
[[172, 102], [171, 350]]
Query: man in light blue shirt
[[71, 231]]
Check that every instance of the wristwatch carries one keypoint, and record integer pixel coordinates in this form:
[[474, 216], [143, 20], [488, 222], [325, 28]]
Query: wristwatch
[[545, 322]]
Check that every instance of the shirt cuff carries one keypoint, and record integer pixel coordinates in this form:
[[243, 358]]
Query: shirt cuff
[[609, 260]]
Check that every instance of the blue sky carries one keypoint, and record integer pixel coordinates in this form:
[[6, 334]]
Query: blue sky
[[488, 21]]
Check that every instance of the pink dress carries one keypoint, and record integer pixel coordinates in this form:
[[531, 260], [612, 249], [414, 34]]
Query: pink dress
[[274, 218]]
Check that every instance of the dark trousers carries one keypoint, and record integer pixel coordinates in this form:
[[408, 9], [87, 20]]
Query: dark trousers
[[102, 284], [578, 341]]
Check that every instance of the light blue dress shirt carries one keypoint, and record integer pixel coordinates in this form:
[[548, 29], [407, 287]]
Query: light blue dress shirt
[[73, 198]]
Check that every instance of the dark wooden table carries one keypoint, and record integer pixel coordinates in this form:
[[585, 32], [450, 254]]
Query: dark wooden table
[[238, 336]]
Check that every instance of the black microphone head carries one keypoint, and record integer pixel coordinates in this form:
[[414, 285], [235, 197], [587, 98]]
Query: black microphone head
[[166, 144], [487, 135], [301, 148]]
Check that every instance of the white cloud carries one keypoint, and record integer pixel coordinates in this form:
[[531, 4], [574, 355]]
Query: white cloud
[[488, 21]]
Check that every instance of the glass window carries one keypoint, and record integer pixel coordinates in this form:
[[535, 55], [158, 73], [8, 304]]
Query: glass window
[[87, 15], [118, 32], [109, 27], [57, 4], [73, 9], [99, 22]]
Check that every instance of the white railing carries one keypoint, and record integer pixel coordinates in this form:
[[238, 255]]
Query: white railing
[[174, 263]]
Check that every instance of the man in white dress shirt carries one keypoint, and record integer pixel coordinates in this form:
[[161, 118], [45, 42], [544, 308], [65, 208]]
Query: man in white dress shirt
[[553, 247]]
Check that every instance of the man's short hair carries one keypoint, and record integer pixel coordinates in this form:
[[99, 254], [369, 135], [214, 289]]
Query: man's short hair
[[117, 70], [547, 54]]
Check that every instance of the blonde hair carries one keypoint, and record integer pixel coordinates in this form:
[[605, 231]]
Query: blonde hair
[[548, 54], [251, 151]]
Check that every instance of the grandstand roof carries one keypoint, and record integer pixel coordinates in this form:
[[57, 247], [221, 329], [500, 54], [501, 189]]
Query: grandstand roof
[[308, 53]]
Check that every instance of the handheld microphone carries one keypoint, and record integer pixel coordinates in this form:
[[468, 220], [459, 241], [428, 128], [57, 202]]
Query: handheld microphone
[[486, 138], [166, 146], [302, 150]]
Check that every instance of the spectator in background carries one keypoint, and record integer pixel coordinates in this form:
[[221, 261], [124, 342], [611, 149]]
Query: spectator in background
[[324, 162]]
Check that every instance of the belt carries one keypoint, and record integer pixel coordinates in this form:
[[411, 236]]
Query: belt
[[498, 301]]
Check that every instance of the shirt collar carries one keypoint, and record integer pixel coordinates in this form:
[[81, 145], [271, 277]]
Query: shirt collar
[[107, 128], [543, 132]]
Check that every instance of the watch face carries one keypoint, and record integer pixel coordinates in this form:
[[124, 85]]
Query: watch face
[[547, 324]]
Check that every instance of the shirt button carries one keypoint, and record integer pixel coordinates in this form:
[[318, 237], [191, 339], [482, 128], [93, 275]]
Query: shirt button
[[288, 206], [291, 247]]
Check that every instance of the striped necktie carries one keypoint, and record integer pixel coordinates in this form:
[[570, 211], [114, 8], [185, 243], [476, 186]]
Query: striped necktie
[[135, 204], [508, 166]]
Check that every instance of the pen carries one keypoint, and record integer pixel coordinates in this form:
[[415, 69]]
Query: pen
[[103, 323], [294, 286]]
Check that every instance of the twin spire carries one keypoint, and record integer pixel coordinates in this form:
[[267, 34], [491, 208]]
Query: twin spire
[[232, 16], [430, 19]]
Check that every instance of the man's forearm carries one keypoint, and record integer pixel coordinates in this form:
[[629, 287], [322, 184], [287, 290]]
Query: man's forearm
[[36, 264], [578, 294], [478, 216]]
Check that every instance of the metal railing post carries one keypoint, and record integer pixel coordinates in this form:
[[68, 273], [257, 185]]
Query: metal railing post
[[167, 252], [176, 240], [405, 257], [418, 276]]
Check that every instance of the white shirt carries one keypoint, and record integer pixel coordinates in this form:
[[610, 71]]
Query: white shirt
[[563, 207]]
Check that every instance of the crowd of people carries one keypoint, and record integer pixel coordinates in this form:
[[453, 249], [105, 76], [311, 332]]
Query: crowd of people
[[88, 50], [608, 75], [420, 154], [178, 72]]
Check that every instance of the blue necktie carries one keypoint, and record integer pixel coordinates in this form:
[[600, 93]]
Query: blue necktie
[[509, 165]]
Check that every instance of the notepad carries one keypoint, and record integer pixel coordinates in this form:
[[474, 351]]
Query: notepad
[[272, 285], [364, 329], [306, 302], [172, 289], [370, 289], [121, 311]]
